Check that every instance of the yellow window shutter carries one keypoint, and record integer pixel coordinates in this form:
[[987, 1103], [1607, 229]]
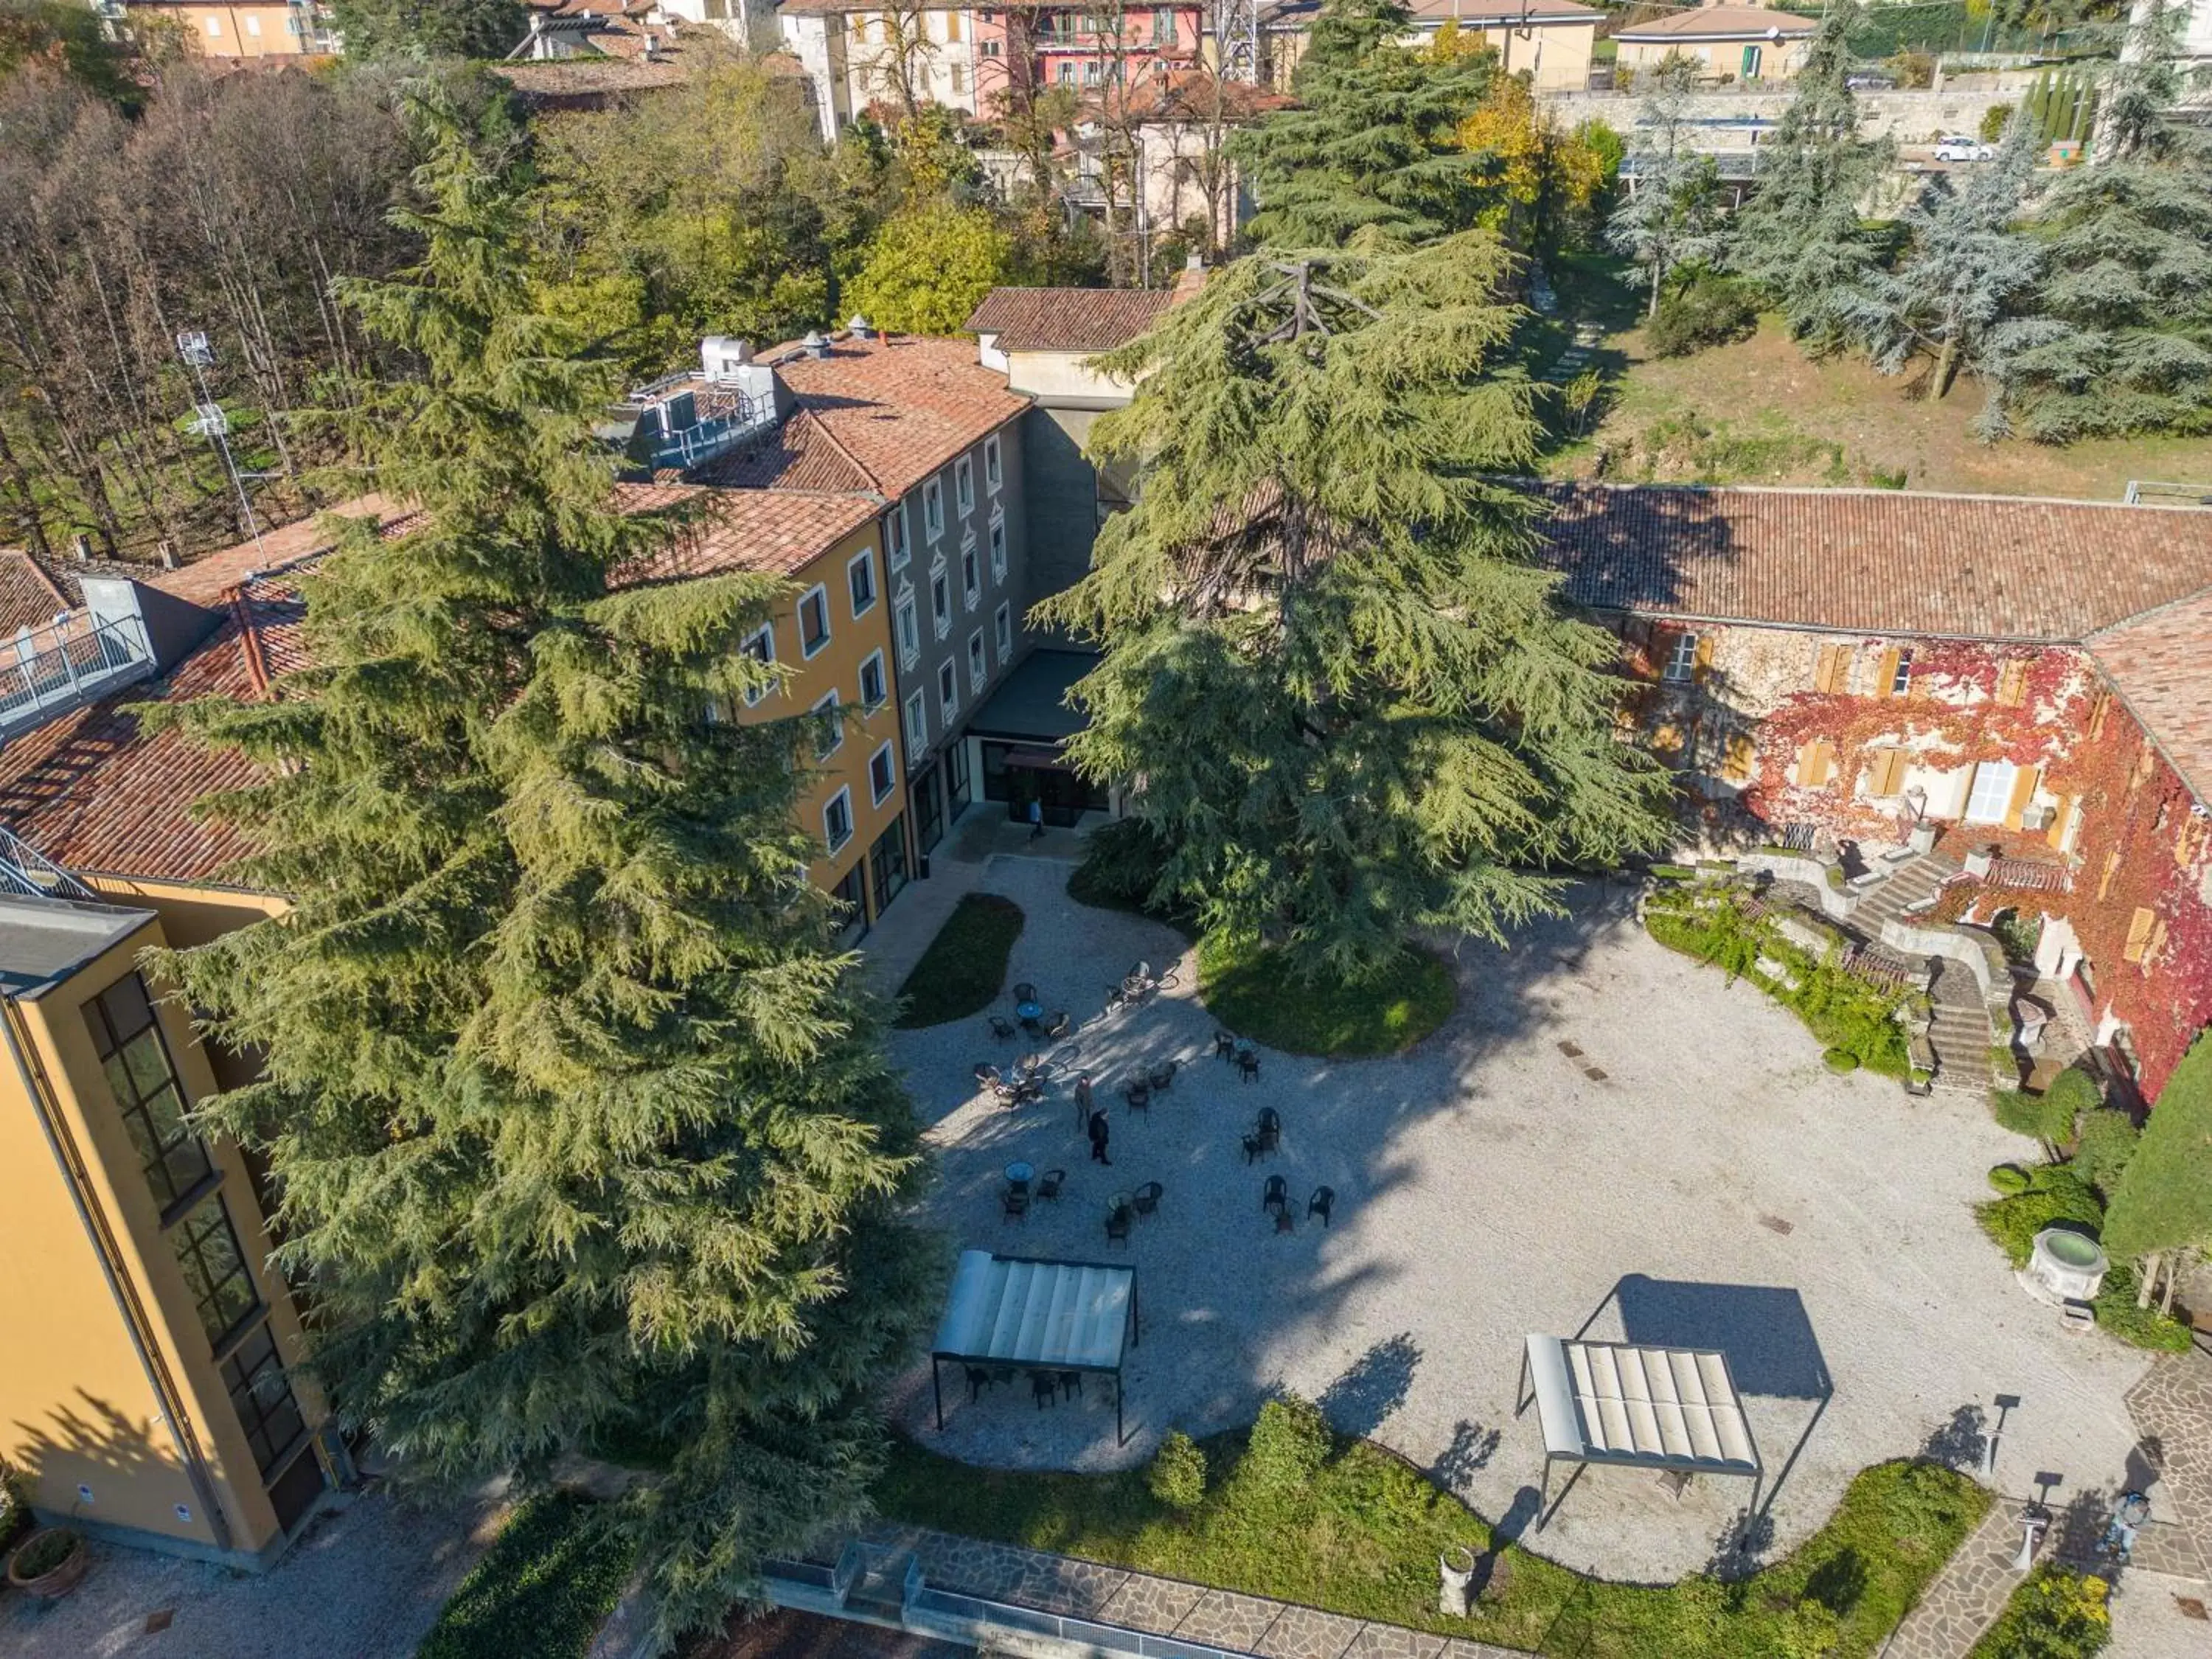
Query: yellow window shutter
[[2099, 705], [2023, 789], [1825, 672], [2012, 683], [2154, 943], [1885, 772], [1820, 764], [2111, 869], [1705, 658], [2139, 926], [2186, 838], [1885, 674], [2060, 820], [1742, 756]]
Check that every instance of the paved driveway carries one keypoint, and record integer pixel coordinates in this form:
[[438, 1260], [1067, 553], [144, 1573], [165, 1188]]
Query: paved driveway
[[1695, 1163]]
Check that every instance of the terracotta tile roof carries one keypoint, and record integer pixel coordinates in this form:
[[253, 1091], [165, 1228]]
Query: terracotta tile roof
[[29, 598], [1475, 14], [207, 580], [803, 454], [900, 406], [1720, 24], [1876, 561], [587, 82], [1067, 319], [2161, 665], [778, 530]]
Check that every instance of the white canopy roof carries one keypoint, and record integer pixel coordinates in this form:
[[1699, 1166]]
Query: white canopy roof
[[1016, 1310], [1605, 1402]]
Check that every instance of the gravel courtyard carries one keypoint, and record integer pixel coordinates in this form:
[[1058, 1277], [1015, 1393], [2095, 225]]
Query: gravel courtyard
[[1696, 1157]]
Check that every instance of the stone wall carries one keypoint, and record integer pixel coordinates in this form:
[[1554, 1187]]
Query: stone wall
[[1910, 118]]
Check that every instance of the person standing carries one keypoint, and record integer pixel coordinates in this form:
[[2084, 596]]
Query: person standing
[[1098, 1134], [1083, 1107], [1037, 818]]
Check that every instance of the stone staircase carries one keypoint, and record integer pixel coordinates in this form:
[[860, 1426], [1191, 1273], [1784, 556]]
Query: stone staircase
[[1960, 1033]]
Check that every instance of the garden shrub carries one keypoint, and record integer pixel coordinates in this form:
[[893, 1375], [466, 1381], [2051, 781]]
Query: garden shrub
[[2139, 1328], [1841, 1061], [2017, 934], [2054, 1194], [2054, 1614], [2009, 1178], [544, 1587], [1290, 1443], [1177, 1476], [1993, 123], [1122, 863], [2105, 1141], [14, 1504], [2046, 1117], [45, 1552], [1706, 311]]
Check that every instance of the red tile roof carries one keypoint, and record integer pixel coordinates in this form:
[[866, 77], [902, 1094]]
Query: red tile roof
[[29, 598], [804, 454], [1067, 319], [2161, 665], [780, 531], [1875, 561], [207, 580], [1721, 23]]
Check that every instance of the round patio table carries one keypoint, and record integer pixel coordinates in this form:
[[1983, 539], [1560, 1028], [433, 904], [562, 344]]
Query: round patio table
[[1029, 1011], [1019, 1176]]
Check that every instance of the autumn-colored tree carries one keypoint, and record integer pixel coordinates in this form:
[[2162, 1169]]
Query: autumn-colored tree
[[1538, 170]]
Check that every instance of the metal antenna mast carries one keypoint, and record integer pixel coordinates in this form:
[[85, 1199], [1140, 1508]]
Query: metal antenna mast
[[209, 421], [1239, 33]]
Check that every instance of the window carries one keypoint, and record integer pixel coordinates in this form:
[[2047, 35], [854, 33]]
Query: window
[[813, 620], [1066, 71], [837, 820], [262, 1397], [993, 475], [215, 28], [998, 550], [875, 691], [1003, 625], [940, 600], [1683, 659], [953, 26], [860, 581], [2012, 683], [1816, 763], [990, 49], [1885, 772], [917, 727], [829, 729], [887, 865], [1163, 28], [253, 25], [761, 647], [1987, 801], [1091, 72], [933, 509], [895, 538], [1900, 672], [964, 484], [958, 76], [909, 631], [1832, 668], [948, 695], [971, 584], [979, 667], [883, 773], [128, 1039], [215, 1268]]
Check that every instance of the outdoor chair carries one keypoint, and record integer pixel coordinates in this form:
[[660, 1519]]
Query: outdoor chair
[[986, 1073], [978, 1380], [1270, 1140], [1276, 1194], [1252, 1149], [1056, 1024], [1162, 1077], [1139, 1095], [1323, 1200], [1117, 1226], [1002, 1029], [1142, 971], [1225, 1046], [1048, 1184], [1115, 997], [1013, 1206], [1044, 1387], [1005, 1093], [1071, 1382], [1147, 1199], [1026, 992], [1271, 1121], [1247, 1066], [1033, 1023]]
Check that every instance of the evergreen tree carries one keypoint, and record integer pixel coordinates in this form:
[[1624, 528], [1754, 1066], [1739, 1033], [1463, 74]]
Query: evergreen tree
[[1671, 218], [1968, 263], [431, 28], [1346, 687], [2161, 1215], [584, 1138], [1373, 142], [1800, 237]]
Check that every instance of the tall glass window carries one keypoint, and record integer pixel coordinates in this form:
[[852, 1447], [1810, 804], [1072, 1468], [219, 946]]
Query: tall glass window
[[136, 1060], [262, 1396], [215, 1268]]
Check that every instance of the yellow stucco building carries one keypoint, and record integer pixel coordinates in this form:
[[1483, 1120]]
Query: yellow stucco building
[[232, 29]]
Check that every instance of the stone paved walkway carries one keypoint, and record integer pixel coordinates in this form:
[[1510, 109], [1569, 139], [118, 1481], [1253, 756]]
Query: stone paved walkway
[[2172, 1407], [1967, 1595], [1163, 1607]]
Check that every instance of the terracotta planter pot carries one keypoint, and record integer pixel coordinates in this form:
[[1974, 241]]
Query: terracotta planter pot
[[57, 1581]]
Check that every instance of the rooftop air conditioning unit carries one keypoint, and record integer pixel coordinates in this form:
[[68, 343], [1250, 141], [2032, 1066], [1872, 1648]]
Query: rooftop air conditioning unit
[[722, 359]]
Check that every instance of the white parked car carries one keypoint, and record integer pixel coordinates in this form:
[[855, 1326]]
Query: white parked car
[[1953, 148]]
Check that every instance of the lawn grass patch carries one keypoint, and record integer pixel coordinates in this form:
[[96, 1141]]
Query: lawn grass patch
[[1250, 990], [965, 965], [1361, 1538], [544, 1588]]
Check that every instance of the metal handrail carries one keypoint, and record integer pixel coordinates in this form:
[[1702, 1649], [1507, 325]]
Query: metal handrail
[[65, 663], [28, 873]]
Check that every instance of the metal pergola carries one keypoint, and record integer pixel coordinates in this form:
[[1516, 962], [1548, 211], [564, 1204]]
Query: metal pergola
[[1047, 1315]]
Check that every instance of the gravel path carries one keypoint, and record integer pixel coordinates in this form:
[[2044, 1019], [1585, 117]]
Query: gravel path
[[1489, 1184]]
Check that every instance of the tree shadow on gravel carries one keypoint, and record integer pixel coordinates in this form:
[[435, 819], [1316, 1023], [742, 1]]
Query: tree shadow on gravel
[[1358, 1403]]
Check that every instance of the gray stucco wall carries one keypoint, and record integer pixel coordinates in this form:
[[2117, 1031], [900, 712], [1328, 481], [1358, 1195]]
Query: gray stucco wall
[[1063, 497]]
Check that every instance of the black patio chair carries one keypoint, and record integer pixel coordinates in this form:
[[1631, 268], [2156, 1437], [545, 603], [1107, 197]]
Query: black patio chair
[[1252, 1149], [1071, 1382], [1044, 1388], [1050, 1184], [1116, 997], [1117, 1226], [1014, 1205], [1056, 1024], [1033, 1023], [1276, 1194], [978, 1380], [1143, 971], [1247, 1066], [1324, 1200], [1162, 1077], [1270, 1140], [1002, 1029], [1225, 1046], [1270, 1121], [1026, 992], [1146, 1199], [1139, 1095]]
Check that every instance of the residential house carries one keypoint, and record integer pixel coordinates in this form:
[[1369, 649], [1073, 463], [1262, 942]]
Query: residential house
[[232, 28], [1173, 125], [1550, 42], [1825, 666], [1728, 42]]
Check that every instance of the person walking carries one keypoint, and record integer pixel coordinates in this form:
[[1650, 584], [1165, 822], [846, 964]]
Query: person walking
[[1083, 1107], [1037, 818], [1098, 1134]]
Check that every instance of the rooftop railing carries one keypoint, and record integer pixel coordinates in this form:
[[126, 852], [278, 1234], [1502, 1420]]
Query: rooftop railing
[[81, 655]]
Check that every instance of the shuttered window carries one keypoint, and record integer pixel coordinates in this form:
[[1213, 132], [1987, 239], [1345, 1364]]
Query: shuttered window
[[2111, 869], [1885, 674], [1832, 668], [2099, 705], [1885, 772], [1816, 763], [1742, 755], [2139, 934], [2023, 791], [2012, 683]]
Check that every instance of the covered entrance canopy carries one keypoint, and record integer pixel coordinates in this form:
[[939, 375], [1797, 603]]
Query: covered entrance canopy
[[1659, 1408], [1051, 1316]]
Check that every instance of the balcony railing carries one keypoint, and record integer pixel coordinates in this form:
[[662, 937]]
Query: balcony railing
[[68, 661]]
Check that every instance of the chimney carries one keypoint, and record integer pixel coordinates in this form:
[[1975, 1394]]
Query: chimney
[[164, 554], [859, 328], [81, 548], [814, 345]]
